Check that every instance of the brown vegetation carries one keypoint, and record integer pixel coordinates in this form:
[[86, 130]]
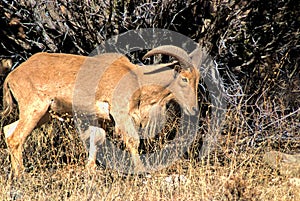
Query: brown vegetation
[[256, 46]]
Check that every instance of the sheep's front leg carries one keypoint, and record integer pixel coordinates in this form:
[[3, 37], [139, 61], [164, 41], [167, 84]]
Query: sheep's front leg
[[131, 140]]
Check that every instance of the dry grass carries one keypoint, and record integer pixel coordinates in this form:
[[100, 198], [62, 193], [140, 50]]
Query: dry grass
[[55, 157], [244, 178], [258, 41]]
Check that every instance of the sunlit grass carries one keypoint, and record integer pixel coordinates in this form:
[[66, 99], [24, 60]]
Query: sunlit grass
[[55, 169]]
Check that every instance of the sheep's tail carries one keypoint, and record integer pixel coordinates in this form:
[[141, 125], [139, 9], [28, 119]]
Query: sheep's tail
[[7, 100]]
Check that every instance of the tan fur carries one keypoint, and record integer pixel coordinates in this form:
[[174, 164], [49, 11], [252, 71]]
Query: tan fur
[[47, 81]]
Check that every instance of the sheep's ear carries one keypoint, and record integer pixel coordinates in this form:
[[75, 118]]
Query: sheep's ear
[[177, 68], [198, 56]]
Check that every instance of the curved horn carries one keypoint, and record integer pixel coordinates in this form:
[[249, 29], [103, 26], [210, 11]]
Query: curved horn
[[174, 51]]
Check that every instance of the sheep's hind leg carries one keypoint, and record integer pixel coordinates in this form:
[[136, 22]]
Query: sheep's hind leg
[[91, 137], [17, 132]]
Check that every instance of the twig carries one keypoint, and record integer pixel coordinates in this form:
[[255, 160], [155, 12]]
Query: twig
[[282, 118]]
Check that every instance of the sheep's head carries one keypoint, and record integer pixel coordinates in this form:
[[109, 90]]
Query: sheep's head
[[186, 77]]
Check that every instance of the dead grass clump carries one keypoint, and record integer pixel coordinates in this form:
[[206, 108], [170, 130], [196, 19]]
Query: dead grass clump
[[256, 44], [243, 176], [54, 159]]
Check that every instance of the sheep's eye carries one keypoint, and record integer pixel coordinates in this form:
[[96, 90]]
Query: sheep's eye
[[184, 79]]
